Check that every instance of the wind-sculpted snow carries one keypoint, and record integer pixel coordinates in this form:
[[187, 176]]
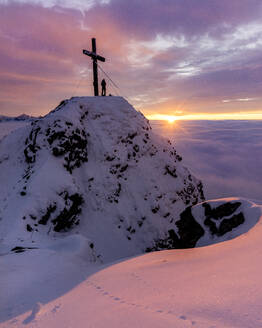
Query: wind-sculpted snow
[[92, 166], [210, 222], [224, 219]]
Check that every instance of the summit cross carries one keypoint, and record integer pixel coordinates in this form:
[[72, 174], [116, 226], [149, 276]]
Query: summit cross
[[95, 57]]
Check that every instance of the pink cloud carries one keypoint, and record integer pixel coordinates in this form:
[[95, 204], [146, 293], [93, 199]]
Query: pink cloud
[[41, 58]]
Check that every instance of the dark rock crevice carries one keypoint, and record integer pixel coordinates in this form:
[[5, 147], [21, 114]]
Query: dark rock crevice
[[217, 213]]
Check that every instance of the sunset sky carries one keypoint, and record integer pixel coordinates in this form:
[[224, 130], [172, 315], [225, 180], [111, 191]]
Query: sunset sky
[[186, 58]]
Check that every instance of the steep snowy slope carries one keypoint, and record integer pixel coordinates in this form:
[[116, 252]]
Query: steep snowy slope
[[92, 167]]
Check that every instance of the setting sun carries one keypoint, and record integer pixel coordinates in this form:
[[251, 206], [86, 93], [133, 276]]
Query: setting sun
[[171, 119]]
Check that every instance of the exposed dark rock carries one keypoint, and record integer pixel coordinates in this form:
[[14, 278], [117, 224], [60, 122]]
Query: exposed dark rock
[[109, 158], [229, 224], [50, 209], [132, 136], [32, 147], [217, 213], [200, 190], [68, 217], [131, 230], [73, 146], [155, 209], [63, 140], [140, 223], [220, 211], [61, 220], [29, 228], [189, 229], [170, 242], [170, 171], [190, 194], [123, 168], [117, 192], [84, 115], [20, 249], [211, 225]]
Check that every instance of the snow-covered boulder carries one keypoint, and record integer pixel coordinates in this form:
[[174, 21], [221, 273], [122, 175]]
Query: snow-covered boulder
[[93, 167], [211, 222]]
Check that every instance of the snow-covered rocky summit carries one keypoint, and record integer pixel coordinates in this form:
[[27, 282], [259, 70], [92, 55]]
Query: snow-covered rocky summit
[[93, 170], [92, 167]]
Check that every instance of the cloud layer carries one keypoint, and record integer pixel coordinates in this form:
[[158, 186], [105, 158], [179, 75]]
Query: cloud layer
[[225, 155], [166, 56]]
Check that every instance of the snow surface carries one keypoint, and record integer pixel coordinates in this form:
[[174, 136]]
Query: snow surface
[[214, 286], [69, 277], [8, 127]]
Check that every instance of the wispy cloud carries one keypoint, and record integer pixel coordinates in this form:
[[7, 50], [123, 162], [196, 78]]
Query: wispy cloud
[[180, 55]]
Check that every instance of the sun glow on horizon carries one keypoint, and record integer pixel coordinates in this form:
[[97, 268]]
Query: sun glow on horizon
[[171, 119], [160, 117], [206, 116]]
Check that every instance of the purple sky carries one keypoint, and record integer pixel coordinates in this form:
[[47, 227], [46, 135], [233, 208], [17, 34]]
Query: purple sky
[[171, 57]]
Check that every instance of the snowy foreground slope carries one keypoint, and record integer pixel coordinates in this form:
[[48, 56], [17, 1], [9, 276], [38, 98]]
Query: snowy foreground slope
[[89, 184], [215, 286]]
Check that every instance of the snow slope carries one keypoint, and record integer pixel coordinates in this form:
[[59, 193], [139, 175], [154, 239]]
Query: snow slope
[[20, 118], [8, 127], [215, 286]]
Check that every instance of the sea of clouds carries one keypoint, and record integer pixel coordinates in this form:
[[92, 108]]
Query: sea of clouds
[[225, 155]]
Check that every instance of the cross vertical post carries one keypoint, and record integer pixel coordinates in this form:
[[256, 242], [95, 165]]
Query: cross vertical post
[[95, 75], [95, 57]]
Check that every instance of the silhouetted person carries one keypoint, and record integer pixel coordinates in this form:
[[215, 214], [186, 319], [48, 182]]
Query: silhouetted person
[[103, 84]]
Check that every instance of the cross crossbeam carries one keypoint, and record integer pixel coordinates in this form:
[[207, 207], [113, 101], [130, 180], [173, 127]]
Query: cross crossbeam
[[95, 57]]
